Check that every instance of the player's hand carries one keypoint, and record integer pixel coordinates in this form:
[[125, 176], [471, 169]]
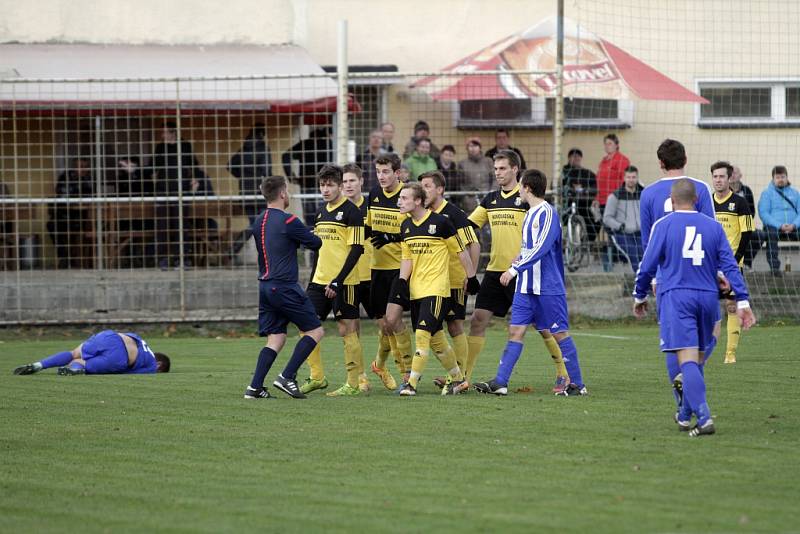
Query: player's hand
[[747, 317], [640, 309], [507, 277], [473, 286], [331, 289], [724, 284], [382, 239]]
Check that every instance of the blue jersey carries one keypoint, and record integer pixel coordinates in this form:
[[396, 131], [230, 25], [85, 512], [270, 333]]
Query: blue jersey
[[145, 359], [688, 248], [656, 202], [278, 235], [540, 265]]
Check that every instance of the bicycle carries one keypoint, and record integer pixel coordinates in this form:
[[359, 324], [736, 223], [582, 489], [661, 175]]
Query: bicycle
[[575, 241]]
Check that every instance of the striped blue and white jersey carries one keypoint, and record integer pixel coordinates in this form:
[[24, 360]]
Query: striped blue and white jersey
[[688, 249], [656, 202], [540, 265]]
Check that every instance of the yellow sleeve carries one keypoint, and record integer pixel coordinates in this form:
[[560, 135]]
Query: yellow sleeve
[[405, 253], [454, 245], [368, 218], [746, 223], [479, 216], [355, 235], [467, 235]]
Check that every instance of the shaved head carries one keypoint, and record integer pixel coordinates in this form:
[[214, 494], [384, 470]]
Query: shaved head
[[683, 194]]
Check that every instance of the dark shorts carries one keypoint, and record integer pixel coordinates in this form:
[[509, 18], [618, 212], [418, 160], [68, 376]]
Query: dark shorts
[[428, 313], [364, 297], [457, 307], [280, 304], [493, 296], [381, 291], [344, 305]]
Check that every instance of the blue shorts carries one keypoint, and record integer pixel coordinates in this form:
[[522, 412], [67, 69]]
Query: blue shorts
[[687, 318], [105, 353], [280, 304], [545, 312]]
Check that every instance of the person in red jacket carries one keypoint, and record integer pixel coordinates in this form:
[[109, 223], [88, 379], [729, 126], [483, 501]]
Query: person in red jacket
[[611, 172]]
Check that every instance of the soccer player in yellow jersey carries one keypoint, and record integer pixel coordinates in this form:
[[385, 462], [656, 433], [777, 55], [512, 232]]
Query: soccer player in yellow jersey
[[433, 183], [733, 213], [504, 211], [429, 239], [383, 221], [352, 183], [334, 282]]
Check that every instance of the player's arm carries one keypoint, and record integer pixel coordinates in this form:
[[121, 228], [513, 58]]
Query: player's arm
[[479, 216], [745, 232], [647, 270], [645, 222], [356, 241], [300, 233]]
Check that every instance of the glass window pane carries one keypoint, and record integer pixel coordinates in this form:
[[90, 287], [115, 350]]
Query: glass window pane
[[584, 109], [793, 101], [500, 109], [725, 102]]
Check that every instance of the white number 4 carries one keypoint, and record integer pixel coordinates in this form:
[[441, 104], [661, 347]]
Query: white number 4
[[693, 246]]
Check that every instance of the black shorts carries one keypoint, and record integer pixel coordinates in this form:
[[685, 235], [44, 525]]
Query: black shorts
[[364, 297], [344, 305], [729, 295], [428, 313], [280, 304], [457, 307], [381, 291], [493, 296]]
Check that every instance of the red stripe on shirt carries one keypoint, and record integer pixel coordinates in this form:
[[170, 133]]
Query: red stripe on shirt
[[264, 244], [290, 219]]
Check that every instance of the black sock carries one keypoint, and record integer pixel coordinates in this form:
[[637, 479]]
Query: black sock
[[301, 352], [265, 359]]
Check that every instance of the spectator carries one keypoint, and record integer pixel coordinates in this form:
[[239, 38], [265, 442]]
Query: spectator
[[312, 154], [420, 161], [250, 165], [387, 130], [779, 209], [502, 141], [477, 169], [367, 159], [69, 224], [621, 217], [173, 175], [130, 181], [421, 131], [449, 168], [611, 170], [580, 187], [757, 237]]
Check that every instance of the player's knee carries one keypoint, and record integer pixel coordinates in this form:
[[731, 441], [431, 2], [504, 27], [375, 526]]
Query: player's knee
[[730, 307], [455, 328], [560, 336], [317, 334]]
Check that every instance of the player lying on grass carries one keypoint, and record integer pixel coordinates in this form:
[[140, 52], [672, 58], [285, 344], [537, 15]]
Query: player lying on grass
[[107, 352], [688, 249], [540, 296]]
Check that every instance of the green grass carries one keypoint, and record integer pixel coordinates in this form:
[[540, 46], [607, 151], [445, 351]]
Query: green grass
[[185, 452]]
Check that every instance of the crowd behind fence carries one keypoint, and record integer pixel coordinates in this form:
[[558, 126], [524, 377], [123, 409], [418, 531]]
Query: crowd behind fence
[[127, 208]]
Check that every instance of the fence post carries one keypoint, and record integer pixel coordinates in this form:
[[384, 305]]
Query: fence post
[[341, 103], [181, 256], [558, 120]]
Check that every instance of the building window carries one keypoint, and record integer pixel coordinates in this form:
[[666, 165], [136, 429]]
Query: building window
[[539, 113], [749, 104]]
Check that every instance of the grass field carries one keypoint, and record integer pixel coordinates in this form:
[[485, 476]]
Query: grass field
[[185, 452]]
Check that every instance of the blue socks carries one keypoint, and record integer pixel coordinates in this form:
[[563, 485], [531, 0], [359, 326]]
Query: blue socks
[[57, 360], [569, 352], [265, 360], [694, 391], [301, 352], [508, 361]]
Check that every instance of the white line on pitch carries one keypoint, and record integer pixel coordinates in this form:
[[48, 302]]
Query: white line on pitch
[[573, 333]]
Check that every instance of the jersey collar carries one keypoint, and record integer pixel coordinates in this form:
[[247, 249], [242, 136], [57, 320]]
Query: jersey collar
[[422, 220], [510, 193], [721, 200], [393, 193], [330, 207], [441, 206]]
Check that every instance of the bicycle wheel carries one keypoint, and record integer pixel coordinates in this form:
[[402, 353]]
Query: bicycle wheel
[[575, 243]]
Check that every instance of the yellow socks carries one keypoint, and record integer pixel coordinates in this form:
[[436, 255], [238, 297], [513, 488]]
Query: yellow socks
[[461, 348], [475, 344], [423, 339], [555, 353], [401, 366], [384, 348], [352, 355], [403, 340], [314, 361], [446, 355], [734, 332]]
